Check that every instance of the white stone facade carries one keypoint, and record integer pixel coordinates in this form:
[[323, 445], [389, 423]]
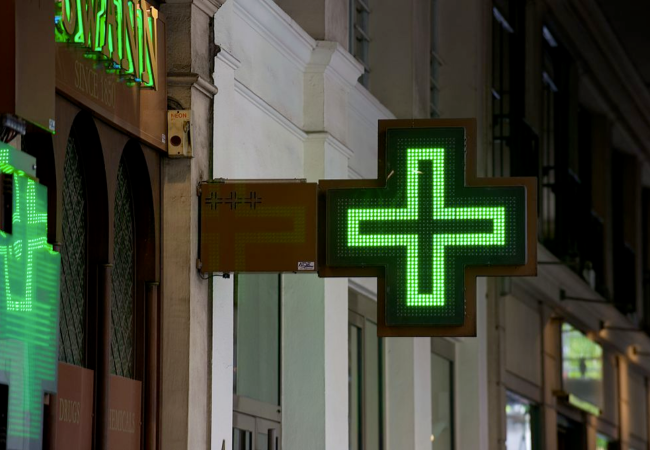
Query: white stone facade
[[290, 106]]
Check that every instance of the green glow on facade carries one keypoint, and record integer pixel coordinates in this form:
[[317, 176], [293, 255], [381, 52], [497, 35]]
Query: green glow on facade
[[425, 226], [29, 304], [121, 33]]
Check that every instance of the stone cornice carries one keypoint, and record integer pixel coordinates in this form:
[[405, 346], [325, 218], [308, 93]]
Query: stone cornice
[[189, 79]]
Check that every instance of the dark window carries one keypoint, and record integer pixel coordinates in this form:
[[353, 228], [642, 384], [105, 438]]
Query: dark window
[[360, 36], [624, 214], [564, 205], [590, 225], [6, 201], [122, 294], [434, 64], [645, 227], [514, 149], [73, 259]]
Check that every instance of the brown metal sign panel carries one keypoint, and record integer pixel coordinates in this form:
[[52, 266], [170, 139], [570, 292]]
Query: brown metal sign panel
[[138, 111], [466, 326], [125, 412], [71, 409], [258, 227]]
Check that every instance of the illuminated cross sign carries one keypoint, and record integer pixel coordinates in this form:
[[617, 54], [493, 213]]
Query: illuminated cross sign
[[424, 224], [122, 33], [29, 301]]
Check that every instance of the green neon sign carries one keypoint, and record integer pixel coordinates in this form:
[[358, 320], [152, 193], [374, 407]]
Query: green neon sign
[[121, 33], [29, 304], [425, 226]]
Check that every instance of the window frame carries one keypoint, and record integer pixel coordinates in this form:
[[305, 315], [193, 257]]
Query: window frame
[[535, 411], [248, 410], [361, 309], [358, 33]]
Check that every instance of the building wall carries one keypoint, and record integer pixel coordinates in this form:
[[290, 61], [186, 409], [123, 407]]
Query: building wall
[[290, 106]]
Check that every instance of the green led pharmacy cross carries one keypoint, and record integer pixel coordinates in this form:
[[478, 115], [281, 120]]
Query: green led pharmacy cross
[[425, 226], [29, 303]]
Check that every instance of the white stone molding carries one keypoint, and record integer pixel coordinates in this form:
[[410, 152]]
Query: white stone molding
[[229, 59], [192, 80], [274, 25], [364, 286], [331, 142], [253, 98], [367, 107]]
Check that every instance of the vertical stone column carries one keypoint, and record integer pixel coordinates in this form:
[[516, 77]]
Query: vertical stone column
[[185, 330], [496, 335], [223, 293], [315, 310], [624, 402], [550, 381], [408, 393], [314, 363], [464, 36], [471, 381]]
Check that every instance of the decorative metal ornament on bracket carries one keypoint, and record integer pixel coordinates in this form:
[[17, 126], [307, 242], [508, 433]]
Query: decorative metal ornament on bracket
[[427, 227]]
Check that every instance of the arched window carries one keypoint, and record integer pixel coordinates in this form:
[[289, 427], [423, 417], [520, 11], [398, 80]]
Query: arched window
[[73, 259], [123, 287]]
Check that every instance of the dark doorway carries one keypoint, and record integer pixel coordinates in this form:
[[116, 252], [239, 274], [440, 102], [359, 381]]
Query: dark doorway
[[4, 403], [570, 434]]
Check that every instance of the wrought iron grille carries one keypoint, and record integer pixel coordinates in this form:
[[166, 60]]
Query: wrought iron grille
[[122, 300], [73, 259]]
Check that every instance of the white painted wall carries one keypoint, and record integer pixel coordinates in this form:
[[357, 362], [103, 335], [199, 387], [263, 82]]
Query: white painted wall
[[289, 107]]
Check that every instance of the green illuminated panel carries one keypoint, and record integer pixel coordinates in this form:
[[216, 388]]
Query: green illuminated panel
[[29, 305], [425, 226]]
